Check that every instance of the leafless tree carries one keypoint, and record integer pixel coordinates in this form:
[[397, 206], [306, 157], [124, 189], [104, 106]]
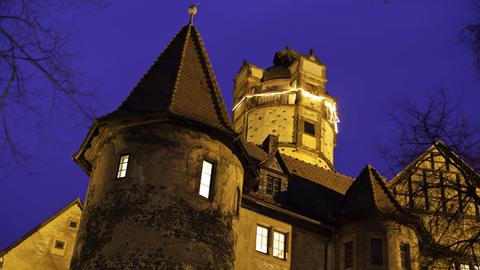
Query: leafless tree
[[36, 75], [438, 192], [470, 35]]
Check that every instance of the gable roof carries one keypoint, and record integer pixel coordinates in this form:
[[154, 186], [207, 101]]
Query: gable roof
[[43, 224], [445, 151], [367, 194], [180, 82]]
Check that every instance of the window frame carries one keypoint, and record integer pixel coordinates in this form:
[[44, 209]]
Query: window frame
[[307, 130], [285, 245], [348, 263], [119, 164], [273, 192], [376, 252], [407, 259], [211, 180], [267, 238]]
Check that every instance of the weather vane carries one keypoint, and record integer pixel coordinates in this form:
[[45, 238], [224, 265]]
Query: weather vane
[[192, 10]]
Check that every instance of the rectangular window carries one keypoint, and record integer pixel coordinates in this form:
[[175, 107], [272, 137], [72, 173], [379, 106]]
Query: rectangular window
[[348, 254], [238, 201], [262, 239], [206, 179], [73, 224], [309, 128], [59, 244], [405, 256], [273, 185], [464, 267], [376, 251], [122, 166], [279, 244]]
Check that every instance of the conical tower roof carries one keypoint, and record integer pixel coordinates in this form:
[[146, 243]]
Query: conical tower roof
[[367, 195], [181, 83]]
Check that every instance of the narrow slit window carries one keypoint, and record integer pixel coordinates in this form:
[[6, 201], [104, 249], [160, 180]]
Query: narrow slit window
[[405, 256], [262, 239], [309, 128], [376, 251], [206, 179], [279, 245], [348, 254], [122, 166]]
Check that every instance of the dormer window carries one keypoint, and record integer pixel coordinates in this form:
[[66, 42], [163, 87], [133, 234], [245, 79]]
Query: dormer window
[[309, 128], [273, 186], [206, 179], [122, 166]]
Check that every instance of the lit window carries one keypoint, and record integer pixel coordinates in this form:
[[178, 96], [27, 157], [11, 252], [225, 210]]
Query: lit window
[[262, 239], [348, 254], [464, 267], [405, 256], [273, 185], [122, 166], [476, 267], [59, 244], [279, 244], [376, 251], [206, 179], [309, 128]]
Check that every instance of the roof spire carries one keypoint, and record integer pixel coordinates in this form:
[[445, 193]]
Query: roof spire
[[192, 10]]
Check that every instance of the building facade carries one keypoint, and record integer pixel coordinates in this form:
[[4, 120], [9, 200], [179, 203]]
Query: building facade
[[175, 185]]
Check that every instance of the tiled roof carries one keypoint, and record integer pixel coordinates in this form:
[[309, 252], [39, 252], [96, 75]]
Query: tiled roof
[[180, 82], [333, 180], [367, 194], [255, 151]]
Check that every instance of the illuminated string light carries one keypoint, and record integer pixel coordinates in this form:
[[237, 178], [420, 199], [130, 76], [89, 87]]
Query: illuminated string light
[[331, 106]]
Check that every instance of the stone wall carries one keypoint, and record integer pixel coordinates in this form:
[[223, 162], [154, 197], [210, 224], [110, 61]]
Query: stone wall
[[154, 217]]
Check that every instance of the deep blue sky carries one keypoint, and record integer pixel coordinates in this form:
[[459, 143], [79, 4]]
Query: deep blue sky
[[375, 54]]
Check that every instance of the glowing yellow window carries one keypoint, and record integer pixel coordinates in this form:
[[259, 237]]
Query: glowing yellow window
[[122, 167], [279, 245], [206, 179], [262, 239]]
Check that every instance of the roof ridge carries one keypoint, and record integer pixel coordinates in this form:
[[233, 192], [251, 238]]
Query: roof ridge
[[77, 201], [182, 58], [219, 104]]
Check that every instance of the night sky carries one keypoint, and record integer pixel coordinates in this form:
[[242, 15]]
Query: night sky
[[376, 54]]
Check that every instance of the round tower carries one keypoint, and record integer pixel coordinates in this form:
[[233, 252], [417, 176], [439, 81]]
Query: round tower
[[288, 100], [165, 176]]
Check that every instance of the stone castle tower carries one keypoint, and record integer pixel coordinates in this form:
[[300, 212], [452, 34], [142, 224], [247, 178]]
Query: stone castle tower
[[288, 100], [166, 171]]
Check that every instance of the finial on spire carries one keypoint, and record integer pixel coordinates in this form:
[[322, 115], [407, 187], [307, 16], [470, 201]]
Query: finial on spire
[[192, 10]]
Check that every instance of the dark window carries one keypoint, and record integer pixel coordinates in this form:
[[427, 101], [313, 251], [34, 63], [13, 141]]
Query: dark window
[[273, 185], [348, 254], [309, 128], [72, 224], [59, 244], [239, 199], [405, 256], [376, 251]]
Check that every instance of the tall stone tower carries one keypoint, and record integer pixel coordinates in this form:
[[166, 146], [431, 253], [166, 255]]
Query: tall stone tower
[[166, 171], [288, 100]]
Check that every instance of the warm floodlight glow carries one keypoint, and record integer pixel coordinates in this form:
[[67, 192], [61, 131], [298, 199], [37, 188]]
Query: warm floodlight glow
[[331, 106]]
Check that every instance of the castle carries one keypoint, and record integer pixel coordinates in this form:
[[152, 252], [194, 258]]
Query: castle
[[174, 184]]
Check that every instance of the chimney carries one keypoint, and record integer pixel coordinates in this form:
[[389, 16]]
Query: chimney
[[270, 144]]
